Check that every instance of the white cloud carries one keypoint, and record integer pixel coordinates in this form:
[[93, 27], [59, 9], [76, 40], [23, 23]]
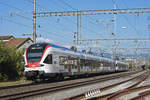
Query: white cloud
[[67, 46], [39, 40]]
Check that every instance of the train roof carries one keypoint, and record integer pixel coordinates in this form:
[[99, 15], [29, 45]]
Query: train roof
[[89, 56]]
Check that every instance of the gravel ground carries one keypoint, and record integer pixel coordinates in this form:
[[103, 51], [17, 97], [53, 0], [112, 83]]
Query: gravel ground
[[72, 92], [131, 95], [146, 82], [134, 94]]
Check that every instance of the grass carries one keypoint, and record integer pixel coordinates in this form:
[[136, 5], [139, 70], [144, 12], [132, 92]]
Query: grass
[[9, 83]]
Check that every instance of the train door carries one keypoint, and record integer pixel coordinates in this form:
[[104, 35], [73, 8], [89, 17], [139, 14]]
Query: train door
[[116, 65], [69, 68], [69, 64], [56, 62], [48, 62]]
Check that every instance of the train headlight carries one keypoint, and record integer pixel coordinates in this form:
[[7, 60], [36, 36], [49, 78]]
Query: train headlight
[[41, 65]]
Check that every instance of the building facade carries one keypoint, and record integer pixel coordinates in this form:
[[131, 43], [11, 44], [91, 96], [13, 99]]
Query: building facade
[[19, 43]]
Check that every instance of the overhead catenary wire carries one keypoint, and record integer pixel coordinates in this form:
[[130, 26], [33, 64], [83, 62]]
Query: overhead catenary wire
[[67, 20], [31, 2], [37, 4], [44, 8], [18, 23], [133, 26], [67, 4], [14, 7], [6, 18], [8, 5], [28, 26], [126, 18], [92, 31], [40, 6]]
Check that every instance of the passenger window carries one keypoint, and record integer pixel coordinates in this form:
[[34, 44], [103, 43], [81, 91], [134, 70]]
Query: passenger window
[[48, 59], [62, 60]]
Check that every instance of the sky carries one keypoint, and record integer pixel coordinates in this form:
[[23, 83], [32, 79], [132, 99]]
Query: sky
[[61, 29]]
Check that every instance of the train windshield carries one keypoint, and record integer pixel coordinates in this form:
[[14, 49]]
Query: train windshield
[[35, 52]]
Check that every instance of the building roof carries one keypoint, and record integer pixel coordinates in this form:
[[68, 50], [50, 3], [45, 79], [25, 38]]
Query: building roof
[[16, 42], [6, 37]]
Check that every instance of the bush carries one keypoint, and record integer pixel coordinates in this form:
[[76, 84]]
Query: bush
[[5, 77], [1, 77], [11, 66]]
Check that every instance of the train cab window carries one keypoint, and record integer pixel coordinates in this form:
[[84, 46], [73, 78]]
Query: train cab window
[[48, 59]]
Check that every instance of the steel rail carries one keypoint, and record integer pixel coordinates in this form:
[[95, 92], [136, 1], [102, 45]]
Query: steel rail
[[30, 93], [92, 94]]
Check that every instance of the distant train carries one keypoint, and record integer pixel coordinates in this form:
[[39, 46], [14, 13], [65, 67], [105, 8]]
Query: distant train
[[45, 61]]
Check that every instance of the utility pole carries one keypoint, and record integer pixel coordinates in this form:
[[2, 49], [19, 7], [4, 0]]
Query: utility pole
[[80, 28], [75, 39], [79, 22], [95, 12], [34, 21], [115, 32], [77, 29], [148, 20], [115, 25], [136, 53]]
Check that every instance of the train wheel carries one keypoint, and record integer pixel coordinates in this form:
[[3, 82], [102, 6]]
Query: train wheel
[[43, 80], [59, 77]]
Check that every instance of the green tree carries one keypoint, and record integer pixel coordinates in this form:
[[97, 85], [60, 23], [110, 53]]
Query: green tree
[[11, 66], [17, 59], [73, 48]]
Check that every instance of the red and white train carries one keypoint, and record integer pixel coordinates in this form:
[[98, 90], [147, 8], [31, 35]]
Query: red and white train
[[45, 60]]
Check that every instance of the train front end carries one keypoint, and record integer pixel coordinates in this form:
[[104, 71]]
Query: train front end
[[34, 66]]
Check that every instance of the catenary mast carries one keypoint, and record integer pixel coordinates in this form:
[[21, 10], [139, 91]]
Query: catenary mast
[[34, 21]]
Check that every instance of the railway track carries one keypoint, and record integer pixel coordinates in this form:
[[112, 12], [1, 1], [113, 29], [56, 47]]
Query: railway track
[[126, 90], [30, 90]]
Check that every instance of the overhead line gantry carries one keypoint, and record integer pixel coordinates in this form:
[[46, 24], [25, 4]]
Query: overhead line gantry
[[94, 12], [121, 39], [91, 12]]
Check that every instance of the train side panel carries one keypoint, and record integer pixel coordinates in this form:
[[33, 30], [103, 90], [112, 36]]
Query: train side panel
[[56, 61]]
